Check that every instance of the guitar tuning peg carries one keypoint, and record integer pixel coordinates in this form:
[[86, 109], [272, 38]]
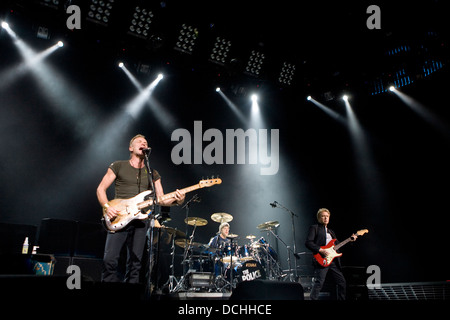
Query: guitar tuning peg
[[212, 177]]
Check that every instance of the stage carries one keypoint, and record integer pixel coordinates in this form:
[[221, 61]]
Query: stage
[[291, 106]]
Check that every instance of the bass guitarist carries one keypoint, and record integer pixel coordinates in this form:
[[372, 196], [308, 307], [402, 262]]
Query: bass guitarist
[[130, 177], [318, 236]]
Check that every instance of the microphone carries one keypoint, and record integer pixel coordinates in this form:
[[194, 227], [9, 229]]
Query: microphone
[[146, 150], [273, 204]]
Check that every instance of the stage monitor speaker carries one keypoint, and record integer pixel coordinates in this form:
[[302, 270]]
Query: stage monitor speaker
[[267, 290], [90, 240], [57, 236]]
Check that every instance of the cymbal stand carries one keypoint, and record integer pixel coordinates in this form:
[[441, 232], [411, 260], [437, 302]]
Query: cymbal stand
[[289, 251], [172, 278], [293, 234], [180, 285]]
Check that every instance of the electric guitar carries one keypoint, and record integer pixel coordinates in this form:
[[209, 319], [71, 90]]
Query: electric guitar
[[133, 208], [326, 261]]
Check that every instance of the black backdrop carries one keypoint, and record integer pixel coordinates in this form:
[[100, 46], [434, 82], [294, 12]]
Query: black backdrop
[[59, 133]]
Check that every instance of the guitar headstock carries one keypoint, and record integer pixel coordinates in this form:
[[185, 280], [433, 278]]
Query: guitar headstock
[[362, 232], [209, 182]]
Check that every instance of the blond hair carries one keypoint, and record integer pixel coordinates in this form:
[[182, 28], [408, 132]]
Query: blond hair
[[319, 212], [135, 137]]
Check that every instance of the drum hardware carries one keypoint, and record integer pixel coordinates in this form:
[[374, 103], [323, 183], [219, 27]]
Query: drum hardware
[[294, 250], [196, 222], [221, 217], [268, 225], [188, 244]]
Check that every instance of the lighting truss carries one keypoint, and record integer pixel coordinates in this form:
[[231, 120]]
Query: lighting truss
[[287, 74], [255, 63], [186, 39], [140, 22], [219, 53], [100, 11]]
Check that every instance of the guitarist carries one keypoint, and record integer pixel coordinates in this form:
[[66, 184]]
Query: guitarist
[[319, 235], [130, 178]]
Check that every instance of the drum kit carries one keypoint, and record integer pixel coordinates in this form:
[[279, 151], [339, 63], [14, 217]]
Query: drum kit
[[228, 264]]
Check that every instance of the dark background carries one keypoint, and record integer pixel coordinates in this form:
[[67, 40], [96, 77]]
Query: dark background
[[61, 128]]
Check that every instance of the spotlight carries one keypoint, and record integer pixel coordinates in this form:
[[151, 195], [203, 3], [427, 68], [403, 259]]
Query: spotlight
[[140, 22], [60, 44], [255, 63], [217, 89], [120, 65], [254, 98], [186, 39], [100, 11], [345, 97], [5, 25], [287, 74], [391, 88], [308, 98], [220, 51], [160, 76]]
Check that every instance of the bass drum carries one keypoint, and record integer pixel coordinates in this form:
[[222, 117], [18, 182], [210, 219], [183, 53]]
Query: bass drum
[[249, 271]]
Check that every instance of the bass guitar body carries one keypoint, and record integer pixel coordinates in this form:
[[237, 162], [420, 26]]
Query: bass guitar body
[[129, 209]]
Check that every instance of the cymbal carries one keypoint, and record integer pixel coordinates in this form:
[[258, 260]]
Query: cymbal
[[195, 221], [221, 217], [185, 242], [268, 225], [250, 237], [175, 232], [232, 236]]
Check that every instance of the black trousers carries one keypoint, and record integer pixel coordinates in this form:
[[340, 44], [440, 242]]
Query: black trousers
[[320, 274], [133, 237]]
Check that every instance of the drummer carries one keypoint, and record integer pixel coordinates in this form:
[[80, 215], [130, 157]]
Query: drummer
[[221, 239]]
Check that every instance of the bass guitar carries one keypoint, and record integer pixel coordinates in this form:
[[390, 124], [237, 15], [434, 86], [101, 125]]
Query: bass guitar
[[133, 208], [331, 248]]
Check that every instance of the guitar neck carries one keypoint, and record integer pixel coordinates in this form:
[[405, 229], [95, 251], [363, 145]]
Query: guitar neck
[[343, 243], [172, 194]]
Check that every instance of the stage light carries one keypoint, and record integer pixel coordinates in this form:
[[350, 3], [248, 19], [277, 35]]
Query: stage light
[[254, 98], [140, 22], [186, 39], [217, 89], [60, 44], [220, 51], [308, 98], [254, 63], [5, 25], [345, 97], [286, 74], [100, 11], [392, 88], [160, 76]]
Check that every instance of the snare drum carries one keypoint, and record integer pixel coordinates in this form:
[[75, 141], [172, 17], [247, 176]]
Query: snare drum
[[230, 252]]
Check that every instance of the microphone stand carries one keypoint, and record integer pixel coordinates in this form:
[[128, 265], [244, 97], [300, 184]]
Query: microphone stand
[[277, 204], [153, 206]]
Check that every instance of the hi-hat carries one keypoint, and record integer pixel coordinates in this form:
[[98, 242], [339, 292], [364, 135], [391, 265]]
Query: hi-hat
[[221, 217], [195, 221], [268, 225]]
